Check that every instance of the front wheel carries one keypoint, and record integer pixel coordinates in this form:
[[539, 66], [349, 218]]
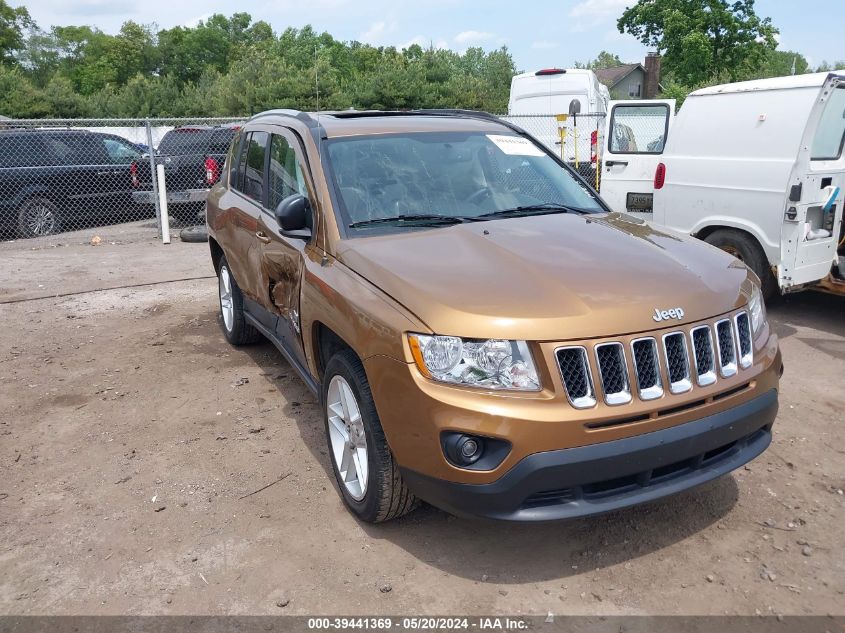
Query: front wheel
[[746, 249], [367, 475]]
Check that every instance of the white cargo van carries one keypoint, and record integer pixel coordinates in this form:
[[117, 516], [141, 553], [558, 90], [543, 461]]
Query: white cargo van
[[552, 91], [756, 168]]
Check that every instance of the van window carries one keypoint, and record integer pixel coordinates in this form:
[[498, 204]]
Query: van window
[[830, 135], [638, 129], [285, 178]]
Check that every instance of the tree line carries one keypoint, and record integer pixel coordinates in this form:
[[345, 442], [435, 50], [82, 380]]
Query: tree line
[[229, 66], [234, 66]]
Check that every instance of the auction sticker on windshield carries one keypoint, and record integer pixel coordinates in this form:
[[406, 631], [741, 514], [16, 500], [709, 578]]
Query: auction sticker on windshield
[[515, 145]]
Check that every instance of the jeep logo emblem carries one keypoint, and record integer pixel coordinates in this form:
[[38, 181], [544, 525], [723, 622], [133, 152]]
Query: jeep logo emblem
[[665, 315]]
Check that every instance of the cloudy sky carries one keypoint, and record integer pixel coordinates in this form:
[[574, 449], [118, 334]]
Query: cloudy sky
[[539, 33]]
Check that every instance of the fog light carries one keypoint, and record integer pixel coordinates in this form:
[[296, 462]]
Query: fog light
[[469, 448], [463, 450], [473, 452]]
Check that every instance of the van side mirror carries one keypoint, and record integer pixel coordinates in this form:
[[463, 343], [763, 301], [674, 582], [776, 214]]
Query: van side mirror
[[292, 214]]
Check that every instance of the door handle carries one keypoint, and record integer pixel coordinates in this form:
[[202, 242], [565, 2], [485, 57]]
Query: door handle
[[262, 237], [611, 163]]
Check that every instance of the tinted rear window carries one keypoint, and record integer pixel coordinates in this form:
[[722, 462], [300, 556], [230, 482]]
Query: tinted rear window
[[21, 151], [196, 141], [52, 149]]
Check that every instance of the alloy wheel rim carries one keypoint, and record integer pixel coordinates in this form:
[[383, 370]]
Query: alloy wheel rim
[[227, 308], [347, 437], [40, 219]]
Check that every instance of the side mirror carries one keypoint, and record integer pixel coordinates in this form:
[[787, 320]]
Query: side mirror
[[292, 214]]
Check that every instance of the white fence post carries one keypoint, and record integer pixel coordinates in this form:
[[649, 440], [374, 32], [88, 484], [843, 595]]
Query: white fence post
[[162, 203], [151, 150]]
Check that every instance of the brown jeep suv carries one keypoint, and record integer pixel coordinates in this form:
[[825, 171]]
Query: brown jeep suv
[[481, 331]]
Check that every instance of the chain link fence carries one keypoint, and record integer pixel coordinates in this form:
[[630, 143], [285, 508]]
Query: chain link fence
[[580, 145], [67, 175], [73, 174]]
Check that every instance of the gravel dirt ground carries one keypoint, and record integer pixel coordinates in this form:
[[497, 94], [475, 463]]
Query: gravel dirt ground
[[132, 437]]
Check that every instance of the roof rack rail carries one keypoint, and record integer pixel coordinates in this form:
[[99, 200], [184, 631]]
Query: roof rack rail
[[305, 117], [471, 114]]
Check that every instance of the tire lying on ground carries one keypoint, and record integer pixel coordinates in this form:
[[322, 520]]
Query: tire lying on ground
[[194, 234]]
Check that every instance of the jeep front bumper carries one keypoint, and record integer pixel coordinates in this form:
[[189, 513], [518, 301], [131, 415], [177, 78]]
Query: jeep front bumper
[[575, 482]]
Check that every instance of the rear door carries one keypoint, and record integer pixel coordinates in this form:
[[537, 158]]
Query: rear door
[[244, 253], [83, 177], [634, 138], [812, 220]]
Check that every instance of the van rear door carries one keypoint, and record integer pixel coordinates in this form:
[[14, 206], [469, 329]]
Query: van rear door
[[812, 219], [634, 138]]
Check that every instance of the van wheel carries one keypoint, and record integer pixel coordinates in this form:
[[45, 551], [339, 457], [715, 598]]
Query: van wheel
[[746, 249], [36, 217], [367, 475], [235, 327]]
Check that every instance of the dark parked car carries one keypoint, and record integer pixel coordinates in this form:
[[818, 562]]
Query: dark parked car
[[193, 157], [53, 180]]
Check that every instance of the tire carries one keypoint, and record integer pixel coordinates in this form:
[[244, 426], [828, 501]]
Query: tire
[[235, 327], [197, 233], [384, 495], [746, 249], [37, 217]]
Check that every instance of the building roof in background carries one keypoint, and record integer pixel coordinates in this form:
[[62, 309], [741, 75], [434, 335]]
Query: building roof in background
[[613, 75]]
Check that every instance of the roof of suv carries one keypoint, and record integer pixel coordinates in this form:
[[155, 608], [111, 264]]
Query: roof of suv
[[365, 122]]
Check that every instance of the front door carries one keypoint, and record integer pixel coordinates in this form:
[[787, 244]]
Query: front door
[[634, 138], [282, 257], [812, 220]]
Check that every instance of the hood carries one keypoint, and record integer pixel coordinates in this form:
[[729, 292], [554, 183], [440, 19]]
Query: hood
[[549, 277]]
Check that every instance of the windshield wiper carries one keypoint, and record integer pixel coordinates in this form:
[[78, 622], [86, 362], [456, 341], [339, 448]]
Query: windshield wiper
[[528, 209], [419, 218]]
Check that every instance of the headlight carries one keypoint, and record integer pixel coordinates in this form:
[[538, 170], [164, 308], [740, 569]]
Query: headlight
[[757, 309], [490, 363]]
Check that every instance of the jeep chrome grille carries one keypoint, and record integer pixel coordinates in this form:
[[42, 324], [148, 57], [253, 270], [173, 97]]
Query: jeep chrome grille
[[614, 373], [677, 362], [702, 351], [743, 339], [698, 356], [647, 368], [575, 371], [727, 350]]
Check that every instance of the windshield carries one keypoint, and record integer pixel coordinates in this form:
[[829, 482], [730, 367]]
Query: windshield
[[448, 174]]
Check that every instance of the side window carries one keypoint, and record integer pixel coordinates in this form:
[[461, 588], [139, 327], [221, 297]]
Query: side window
[[286, 177], [120, 153], [88, 149], [830, 135], [22, 151], [238, 181], [253, 183], [636, 129], [234, 180]]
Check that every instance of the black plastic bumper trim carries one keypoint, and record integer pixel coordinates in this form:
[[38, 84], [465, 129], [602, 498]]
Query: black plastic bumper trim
[[743, 432]]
